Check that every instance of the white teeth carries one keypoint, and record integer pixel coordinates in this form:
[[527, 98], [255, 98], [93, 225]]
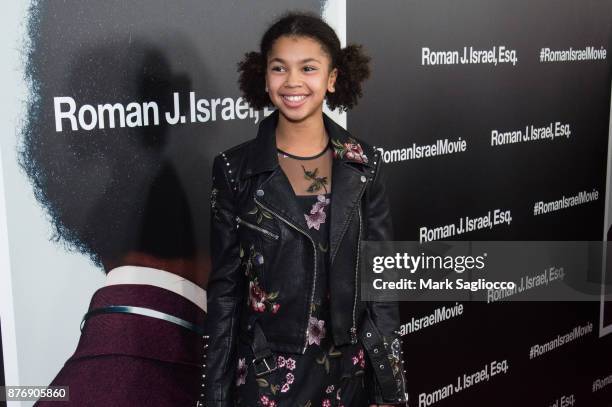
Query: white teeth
[[294, 98]]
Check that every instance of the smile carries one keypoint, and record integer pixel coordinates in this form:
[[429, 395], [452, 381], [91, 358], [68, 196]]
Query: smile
[[294, 101], [296, 98]]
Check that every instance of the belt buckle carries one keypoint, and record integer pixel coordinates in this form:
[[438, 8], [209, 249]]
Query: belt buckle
[[259, 370]]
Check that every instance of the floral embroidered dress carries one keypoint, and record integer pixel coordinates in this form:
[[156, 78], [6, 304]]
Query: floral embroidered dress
[[324, 375]]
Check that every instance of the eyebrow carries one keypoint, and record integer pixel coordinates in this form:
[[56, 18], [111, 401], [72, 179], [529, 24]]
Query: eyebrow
[[303, 61]]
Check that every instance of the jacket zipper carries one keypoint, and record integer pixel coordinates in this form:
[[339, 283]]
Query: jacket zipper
[[354, 327], [314, 280], [252, 226]]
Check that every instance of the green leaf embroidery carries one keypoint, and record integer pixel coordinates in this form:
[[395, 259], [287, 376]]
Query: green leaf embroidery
[[317, 182], [333, 352], [259, 213]]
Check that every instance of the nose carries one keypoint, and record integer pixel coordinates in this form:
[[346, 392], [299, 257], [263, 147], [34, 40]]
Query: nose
[[293, 78]]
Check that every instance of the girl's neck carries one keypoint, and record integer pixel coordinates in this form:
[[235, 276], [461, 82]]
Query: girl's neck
[[304, 138]]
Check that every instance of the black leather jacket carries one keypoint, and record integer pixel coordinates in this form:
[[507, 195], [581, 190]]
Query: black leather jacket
[[257, 225]]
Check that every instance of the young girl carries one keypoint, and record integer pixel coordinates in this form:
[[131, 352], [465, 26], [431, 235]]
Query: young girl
[[285, 323]]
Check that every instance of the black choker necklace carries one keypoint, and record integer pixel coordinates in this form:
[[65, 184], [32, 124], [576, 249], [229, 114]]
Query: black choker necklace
[[299, 157]]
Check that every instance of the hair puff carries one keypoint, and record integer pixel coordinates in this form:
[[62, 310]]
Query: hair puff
[[353, 69]]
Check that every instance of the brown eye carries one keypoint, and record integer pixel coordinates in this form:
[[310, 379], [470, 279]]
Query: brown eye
[[310, 68]]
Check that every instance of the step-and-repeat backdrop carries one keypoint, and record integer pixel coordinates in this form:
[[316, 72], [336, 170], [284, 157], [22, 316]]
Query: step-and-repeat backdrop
[[494, 110], [114, 110]]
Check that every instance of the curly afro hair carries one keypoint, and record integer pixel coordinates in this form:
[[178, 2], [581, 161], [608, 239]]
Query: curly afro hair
[[107, 192], [352, 63]]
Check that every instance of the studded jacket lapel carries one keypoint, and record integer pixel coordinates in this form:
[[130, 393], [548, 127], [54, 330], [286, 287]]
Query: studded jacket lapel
[[349, 179]]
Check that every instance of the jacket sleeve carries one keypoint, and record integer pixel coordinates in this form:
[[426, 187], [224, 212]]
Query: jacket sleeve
[[224, 291], [384, 315]]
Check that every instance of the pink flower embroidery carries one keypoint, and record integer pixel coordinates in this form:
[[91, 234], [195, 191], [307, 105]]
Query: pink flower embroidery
[[290, 377], [326, 403], [315, 221], [329, 389], [317, 214], [359, 359], [320, 204], [280, 361], [241, 372], [266, 401], [259, 300], [316, 330], [285, 388], [290, 363], [257, 297], [351, 150]]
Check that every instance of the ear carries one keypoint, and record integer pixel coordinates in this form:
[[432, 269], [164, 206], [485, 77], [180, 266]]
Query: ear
[[331, 81]]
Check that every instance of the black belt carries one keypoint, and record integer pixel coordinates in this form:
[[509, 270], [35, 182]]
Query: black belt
[[264, 361]]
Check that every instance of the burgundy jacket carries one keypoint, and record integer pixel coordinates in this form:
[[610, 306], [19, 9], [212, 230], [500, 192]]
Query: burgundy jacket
[[134, 360]]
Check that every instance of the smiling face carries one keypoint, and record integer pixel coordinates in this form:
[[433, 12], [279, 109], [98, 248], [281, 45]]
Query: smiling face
[[298, 77]]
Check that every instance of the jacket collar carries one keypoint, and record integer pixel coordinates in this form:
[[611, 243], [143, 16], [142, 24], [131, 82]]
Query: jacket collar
[[117, 334], [349, 177], [263, 156]]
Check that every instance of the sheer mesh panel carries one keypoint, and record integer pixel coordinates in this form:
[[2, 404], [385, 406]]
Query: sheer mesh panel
[[308, 175]]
